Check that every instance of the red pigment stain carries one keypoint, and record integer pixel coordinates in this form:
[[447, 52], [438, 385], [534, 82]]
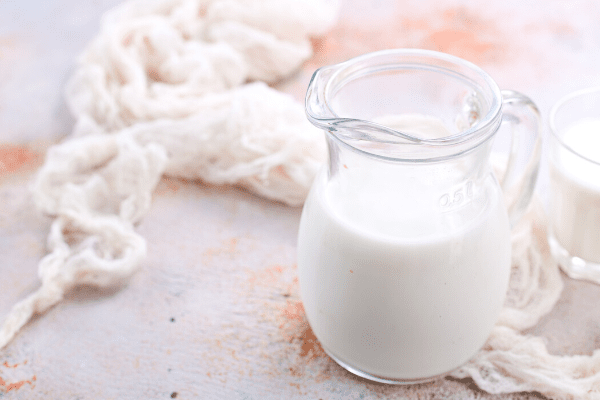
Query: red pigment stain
[[448, 40], [15, 385], [7, 44], [560, 28], [267, 277], [296, 329], [14, 158], [280, 170], [459, 31], [168, 185], [229, 248], [8, 40], [467, 35], [554, 27]]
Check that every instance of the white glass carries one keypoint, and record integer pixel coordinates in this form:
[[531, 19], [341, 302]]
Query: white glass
[[574, 160], [404, 241]]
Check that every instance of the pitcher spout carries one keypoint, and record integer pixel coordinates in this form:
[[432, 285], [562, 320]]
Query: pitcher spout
[[317, 109], [320, 113], [365, 103]]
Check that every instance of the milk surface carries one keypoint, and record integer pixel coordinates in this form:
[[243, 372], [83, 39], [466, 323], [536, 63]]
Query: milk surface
[[393, 300], [575, 193]]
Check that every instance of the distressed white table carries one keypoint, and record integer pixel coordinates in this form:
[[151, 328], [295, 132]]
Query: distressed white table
[[214, 312]]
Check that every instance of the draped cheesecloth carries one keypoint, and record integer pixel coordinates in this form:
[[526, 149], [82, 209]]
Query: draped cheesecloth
[[178, 88]]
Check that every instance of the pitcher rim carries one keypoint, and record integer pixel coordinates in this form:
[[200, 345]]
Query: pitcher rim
[[481, 130]]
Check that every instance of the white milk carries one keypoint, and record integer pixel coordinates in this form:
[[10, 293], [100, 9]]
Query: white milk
[[396, 304], [575, 192]]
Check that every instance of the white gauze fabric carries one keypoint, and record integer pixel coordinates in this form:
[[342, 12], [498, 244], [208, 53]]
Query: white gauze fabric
[[172, 87], [178, 87]]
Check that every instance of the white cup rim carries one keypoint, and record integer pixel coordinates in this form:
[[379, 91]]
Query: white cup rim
[[552, 119]]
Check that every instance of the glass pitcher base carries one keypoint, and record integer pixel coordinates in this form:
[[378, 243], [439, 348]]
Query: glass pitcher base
[[382, 379], [574, 267]]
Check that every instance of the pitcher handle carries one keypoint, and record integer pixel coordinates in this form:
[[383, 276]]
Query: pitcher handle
[[520, 111]]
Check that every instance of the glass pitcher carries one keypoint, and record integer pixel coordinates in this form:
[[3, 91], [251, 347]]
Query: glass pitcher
[[404, 242]]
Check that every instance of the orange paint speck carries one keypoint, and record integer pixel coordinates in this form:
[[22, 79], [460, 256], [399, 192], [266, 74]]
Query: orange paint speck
[[296, 329], [562, 29], [280, 169], [466, 32], [168, 185], [453, 40], [294, 311], [171, 184], [229, 248], [14, 158], [8, 45], [16, 385], [269, 276]]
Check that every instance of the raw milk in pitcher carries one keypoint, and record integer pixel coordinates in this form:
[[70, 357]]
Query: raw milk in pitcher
[[404, 241]]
